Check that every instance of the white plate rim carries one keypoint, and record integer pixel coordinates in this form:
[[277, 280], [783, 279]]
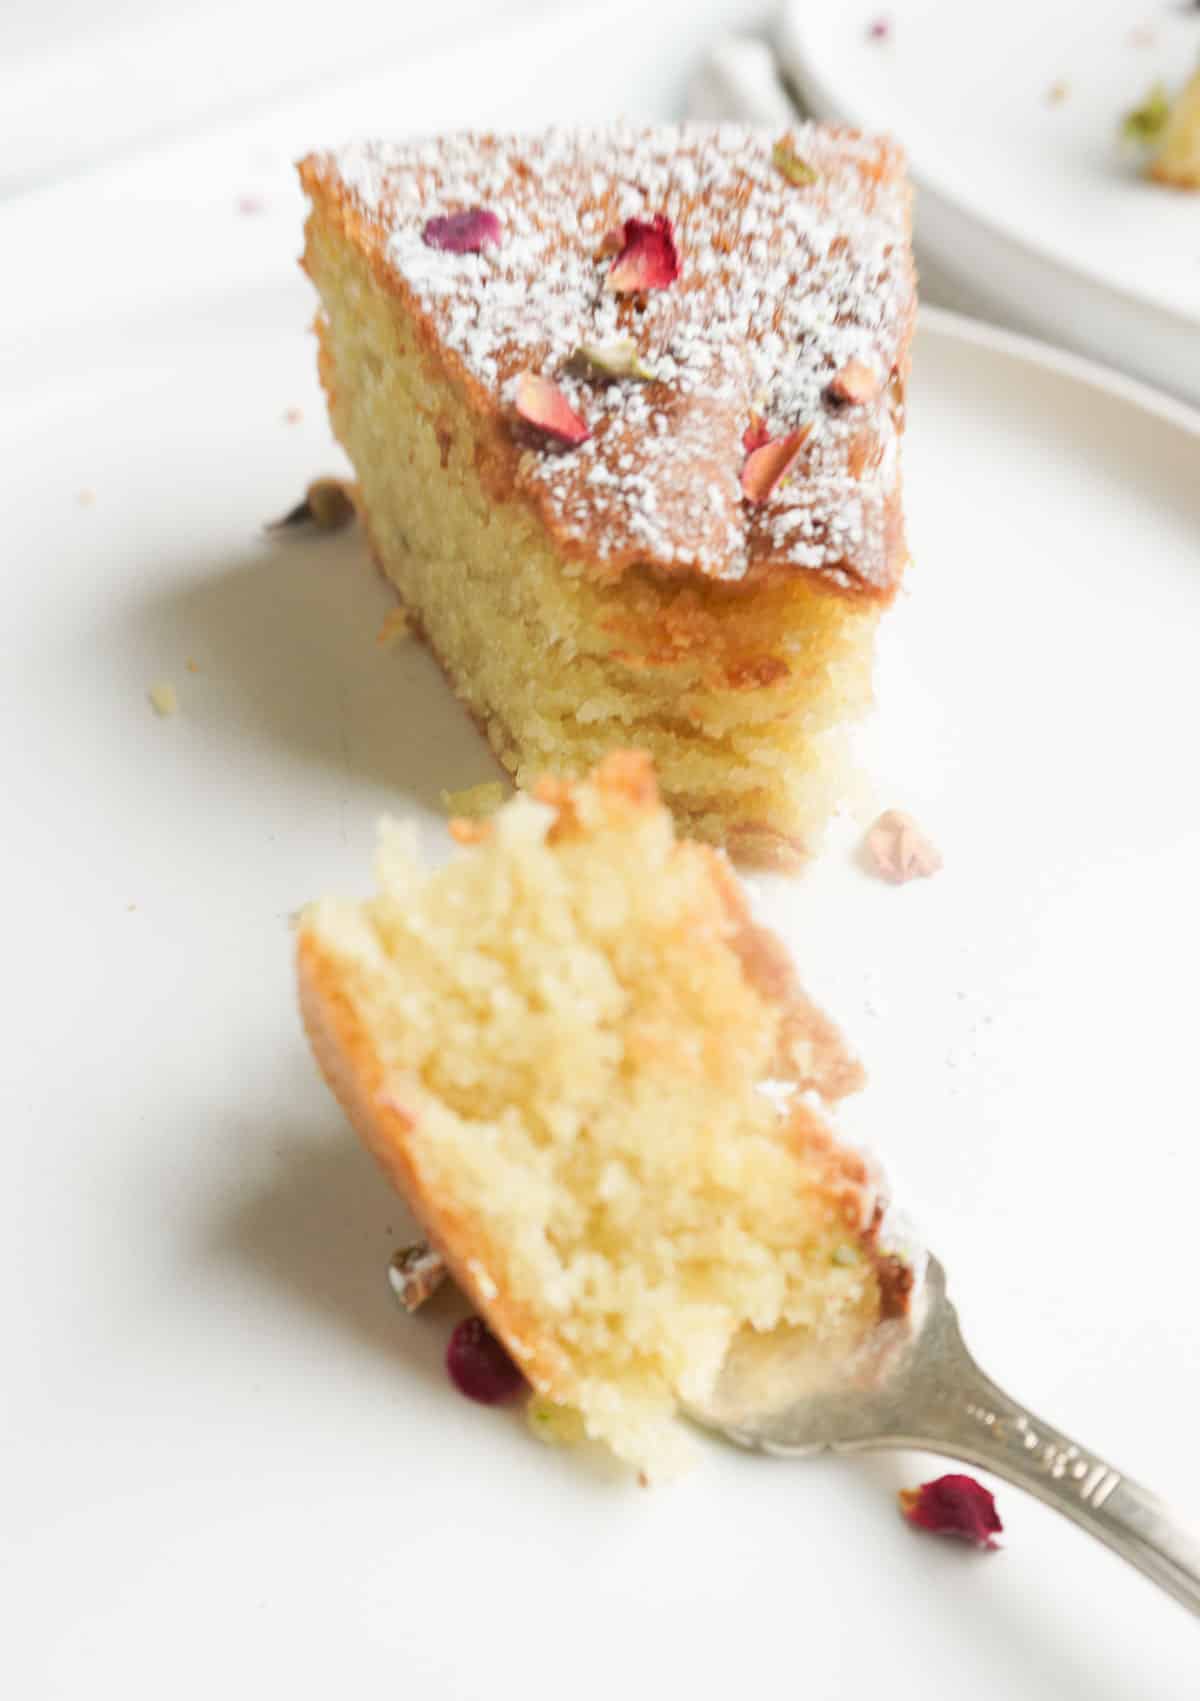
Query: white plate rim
[[1034, 351], [824, 102]]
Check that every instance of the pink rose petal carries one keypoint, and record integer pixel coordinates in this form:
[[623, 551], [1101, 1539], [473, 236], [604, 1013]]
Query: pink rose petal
[[541, 403], [649, 259], [767, 466], [953, 1506], [756, 434], [462, 233]]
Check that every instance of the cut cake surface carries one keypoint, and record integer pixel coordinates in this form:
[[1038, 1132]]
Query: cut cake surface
[[625, 589], [556, 1046]]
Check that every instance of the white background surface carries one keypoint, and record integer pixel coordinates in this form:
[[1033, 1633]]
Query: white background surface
[[230, 1465], [86, 82]]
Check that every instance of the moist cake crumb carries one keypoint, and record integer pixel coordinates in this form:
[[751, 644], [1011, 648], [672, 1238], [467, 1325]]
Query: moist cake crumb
[[538, 1039]]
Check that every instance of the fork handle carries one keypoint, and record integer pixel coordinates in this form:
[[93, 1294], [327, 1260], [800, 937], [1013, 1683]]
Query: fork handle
[[968, 1417]]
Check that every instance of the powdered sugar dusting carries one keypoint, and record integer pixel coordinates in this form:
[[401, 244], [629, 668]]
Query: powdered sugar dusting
[[781, 285]]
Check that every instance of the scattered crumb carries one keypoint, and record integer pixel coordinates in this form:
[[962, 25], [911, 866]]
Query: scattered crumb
[[897, 849], [293, 416], [249, 205], [465, 832], [162, 698], [416, 1273], [130, 907], [396, 625], [476, 803], [192, 665], [1057, 93], [86, 497], [327, 504]]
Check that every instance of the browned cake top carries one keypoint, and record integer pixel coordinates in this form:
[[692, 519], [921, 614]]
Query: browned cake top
[[790, 311]]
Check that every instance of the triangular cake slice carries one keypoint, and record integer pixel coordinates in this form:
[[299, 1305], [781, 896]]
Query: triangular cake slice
[[556, 1045], [625, 409]]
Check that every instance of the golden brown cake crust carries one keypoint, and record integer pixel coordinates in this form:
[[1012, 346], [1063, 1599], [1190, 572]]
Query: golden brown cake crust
[[782, 287], [352, 1068]]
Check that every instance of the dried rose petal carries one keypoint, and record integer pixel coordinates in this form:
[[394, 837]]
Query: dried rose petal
[[543, 404], [953, 1506], [786, 160], [899, 850], [767, 466], [619, 359], [856, 383], [478, 1365], [462, 233], [879, 29], [649, 259], [611, 243], [756, 434]]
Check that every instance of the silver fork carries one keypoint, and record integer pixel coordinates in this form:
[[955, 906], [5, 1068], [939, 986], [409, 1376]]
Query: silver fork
[[915, 1385]]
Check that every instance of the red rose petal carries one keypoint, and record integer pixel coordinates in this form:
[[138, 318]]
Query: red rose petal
[[769, 464], [756, 434], [478, 1365], [462, 233], [543, 404], [649, 259], [953, 1506]]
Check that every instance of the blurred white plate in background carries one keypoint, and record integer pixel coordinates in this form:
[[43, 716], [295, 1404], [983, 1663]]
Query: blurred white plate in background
[[1028, 201]]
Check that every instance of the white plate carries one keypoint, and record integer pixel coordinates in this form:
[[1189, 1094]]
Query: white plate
[[232, 1467], [1032, 208]]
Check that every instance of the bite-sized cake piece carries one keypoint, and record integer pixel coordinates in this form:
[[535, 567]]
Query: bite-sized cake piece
[[625, 409], [556, 1046], [1177, 160]]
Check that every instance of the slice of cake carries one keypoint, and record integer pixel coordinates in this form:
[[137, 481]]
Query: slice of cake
[[556, 1045], [625, 409], [1177, 160]]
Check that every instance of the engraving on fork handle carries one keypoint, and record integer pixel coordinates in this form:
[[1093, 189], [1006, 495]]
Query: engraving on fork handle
[[1064, 1463]]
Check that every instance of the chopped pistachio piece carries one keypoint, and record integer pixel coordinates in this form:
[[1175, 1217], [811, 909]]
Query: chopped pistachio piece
[[162, 698], [619, 359], [786, 160], [1147, 121]]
